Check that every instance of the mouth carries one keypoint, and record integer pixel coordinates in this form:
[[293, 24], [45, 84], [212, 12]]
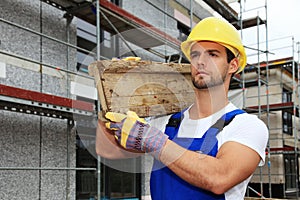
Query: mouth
[[202, 73]]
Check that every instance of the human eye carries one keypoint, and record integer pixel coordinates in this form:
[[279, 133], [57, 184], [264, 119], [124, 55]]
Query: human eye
[[212, 54], [194, 54]]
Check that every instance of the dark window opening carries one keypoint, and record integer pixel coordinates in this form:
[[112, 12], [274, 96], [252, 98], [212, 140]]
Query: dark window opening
[[115, 184], [184, 31], [287, 118], [291, 174], [86, 39], [117, 2]]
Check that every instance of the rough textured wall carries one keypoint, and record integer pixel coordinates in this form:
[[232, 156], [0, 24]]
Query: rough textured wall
[[32, 141]]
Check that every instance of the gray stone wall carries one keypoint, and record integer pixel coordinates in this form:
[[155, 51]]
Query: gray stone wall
[[28, 141]]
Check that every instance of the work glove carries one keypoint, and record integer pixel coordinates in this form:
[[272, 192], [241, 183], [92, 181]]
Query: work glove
[[135, 133]]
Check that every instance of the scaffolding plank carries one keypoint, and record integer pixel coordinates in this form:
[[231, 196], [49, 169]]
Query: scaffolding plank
[[250, 22], [272, 107]]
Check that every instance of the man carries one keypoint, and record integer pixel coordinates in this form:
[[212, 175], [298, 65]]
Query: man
[[208, 151]]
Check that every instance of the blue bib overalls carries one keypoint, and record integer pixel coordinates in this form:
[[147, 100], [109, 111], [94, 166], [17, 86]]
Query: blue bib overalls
[[164, 184]]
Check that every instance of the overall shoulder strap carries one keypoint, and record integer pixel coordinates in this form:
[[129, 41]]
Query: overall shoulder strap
[[209, 146], [174, 123], [226, 119], [176, 119]]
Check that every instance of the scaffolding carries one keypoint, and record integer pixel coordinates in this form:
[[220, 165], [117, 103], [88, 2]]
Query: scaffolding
[[114, 19], [269, 78]]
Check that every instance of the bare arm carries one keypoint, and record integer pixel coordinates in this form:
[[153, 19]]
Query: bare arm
[[233, 164], [108, 147]]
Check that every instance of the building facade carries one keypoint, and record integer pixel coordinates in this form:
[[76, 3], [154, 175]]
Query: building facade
[[49, 102]]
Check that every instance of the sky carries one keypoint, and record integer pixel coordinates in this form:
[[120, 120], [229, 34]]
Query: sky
[[283, 22]]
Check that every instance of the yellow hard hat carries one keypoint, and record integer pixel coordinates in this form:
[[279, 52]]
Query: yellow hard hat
[[220, 31]]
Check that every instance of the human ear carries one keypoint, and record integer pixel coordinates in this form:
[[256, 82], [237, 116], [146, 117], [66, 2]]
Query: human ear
[[233, 65]]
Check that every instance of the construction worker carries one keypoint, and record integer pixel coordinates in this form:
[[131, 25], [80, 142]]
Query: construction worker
[[209, 150]]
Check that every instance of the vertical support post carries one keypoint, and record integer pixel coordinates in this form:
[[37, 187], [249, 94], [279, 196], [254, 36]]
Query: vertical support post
[[68, 86], [267, 98], [98, 28], [191, 14], [243, 73], [165, 30], [259, 94], [98, 107], [69, 122], [41, 90], [298, 94], [295, 131], [68, 19]]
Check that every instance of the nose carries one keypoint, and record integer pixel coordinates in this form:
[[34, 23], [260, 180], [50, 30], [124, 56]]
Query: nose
[[199, 61]]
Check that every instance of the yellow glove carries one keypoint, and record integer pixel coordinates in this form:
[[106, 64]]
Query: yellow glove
[[133, 132], [126, 125]]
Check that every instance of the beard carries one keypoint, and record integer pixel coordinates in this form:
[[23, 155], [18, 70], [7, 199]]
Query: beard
[[205, 84]]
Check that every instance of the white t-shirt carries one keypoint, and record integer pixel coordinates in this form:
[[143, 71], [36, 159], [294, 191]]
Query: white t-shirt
[[245, 128]]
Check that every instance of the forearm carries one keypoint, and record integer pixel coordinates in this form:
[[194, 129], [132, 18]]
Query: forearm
[[201, 170]]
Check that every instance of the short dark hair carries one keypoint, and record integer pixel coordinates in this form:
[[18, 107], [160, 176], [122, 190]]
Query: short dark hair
[[230, 55]]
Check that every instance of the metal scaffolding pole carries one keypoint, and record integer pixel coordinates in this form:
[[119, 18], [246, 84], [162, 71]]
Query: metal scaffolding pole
[[243, 73], [69, 124], [98, 107], [298, 91], [267, 97], [295, 131], [260, 82], [191, 14]]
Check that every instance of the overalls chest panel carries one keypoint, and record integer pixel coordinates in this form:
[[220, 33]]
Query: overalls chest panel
[[165, 185]]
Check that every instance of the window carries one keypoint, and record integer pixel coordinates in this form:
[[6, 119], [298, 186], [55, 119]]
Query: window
[[119, 184], [183, 34], [184, 31], [287, 121], [290, 165], [117, 2], [115, 184], [107, 39], [86, 39]]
